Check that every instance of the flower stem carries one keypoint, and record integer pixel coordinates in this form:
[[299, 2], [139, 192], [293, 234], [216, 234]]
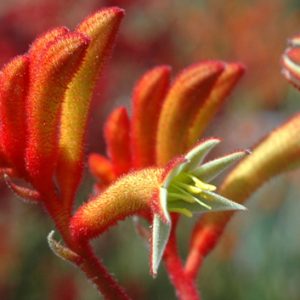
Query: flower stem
[[184, 284], [201, 245], [99, 275], [105, 283]]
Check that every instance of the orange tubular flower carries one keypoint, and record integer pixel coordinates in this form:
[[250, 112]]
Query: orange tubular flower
[[40, 97], [45, 98], [166, 121]]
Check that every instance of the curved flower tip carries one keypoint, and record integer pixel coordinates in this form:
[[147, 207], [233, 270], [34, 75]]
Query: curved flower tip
[[291, 62], [185, 189], [61, 251], [24, 193]]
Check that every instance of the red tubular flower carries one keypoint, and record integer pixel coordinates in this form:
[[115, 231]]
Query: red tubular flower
[[148, 97], [167, 121], [44, 106], [152, 182], [38, 105], [157, 187], [54, 59], [101, 28], [155, 192], [14, 80], [116, 133]]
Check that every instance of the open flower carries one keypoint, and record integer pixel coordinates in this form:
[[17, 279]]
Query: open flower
[[179, 187], [185, 189], [145, 172]]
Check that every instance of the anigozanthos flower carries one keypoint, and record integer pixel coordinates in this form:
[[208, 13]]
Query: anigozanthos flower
[[186, 189], [44, 105], [167, 120], [167, 117], [144, 172], [183, 186]]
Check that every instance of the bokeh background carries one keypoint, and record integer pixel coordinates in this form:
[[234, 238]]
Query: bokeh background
[[259, 256]]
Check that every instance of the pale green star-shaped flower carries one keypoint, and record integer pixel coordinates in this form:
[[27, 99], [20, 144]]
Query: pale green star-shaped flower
[[186, 189]]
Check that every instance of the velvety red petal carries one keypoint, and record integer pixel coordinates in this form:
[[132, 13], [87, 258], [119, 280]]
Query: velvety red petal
[[102, 169], [222, 88], [117, 137], [188, 92], [14, 80], [48, 84], [101, 28], [148, 96]]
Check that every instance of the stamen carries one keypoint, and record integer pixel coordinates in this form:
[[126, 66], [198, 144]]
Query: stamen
[[188, 198], [186, 187], [190, 188], [183, 211], [202, 185], [202, 203]]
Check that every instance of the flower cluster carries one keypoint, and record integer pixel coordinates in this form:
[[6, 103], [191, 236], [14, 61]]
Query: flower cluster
[[180, 187], [155, 166], [166, 121], [44, 107]]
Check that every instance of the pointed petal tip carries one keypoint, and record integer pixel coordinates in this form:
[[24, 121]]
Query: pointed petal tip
[[62, 251], [237, 206], [200, 150], [163, 69], [240, 153], [243, 207], [114, 11], [26, 194], [198, 72], [159, 240], [215, 67], [239, 68], [167, 68], [153, 270], [212, 141], [247, 151]]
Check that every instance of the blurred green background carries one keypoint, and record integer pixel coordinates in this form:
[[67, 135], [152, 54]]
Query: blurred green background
[[259, 256]]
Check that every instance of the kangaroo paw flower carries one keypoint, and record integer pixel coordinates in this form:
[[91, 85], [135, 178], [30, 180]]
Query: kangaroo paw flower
[[179, 187], [185, 190], [45, 98]]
